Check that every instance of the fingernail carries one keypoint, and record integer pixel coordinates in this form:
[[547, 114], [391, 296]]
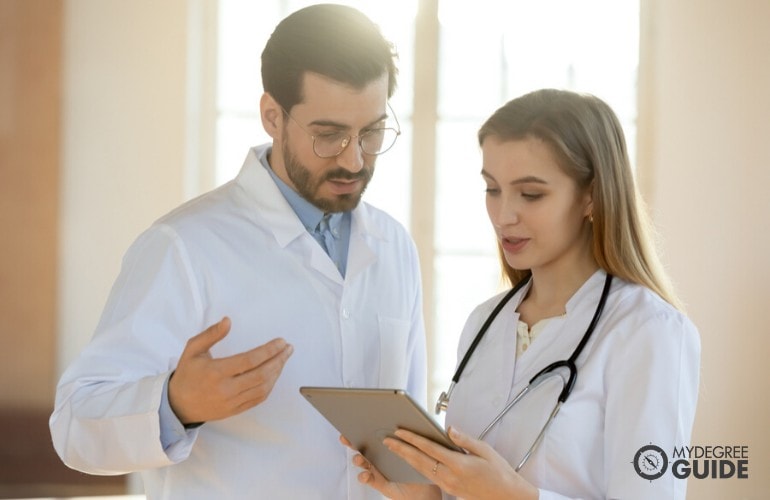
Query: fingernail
[[453, 432]]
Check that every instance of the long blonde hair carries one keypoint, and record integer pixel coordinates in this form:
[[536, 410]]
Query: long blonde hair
[[586, 134]]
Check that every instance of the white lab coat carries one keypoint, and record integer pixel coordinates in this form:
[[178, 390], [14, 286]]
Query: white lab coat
[[241, 251], [637, 384]]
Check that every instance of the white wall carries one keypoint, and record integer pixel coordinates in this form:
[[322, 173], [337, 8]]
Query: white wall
[[706, 163], [123, 145]]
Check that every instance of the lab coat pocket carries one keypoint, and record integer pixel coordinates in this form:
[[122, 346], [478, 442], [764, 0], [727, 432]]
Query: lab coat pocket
[[394, 335]]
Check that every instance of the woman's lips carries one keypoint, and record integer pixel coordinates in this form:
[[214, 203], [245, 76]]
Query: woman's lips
[[514, 245]]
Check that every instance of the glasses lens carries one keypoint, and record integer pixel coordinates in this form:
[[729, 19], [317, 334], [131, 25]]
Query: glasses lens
[[378, 141], [328, 145], [373, 142]]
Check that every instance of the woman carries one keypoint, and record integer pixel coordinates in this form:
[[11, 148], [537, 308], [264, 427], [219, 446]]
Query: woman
[[570, 227]]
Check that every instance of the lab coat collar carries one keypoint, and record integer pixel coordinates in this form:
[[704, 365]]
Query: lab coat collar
[[585, 293], [271, 207], [279, 218]]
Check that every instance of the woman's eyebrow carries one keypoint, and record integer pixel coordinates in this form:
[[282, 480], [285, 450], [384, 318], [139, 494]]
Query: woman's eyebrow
[[528, 179], [521, 180]]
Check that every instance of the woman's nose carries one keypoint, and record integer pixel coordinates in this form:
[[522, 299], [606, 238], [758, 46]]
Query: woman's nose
[[504, 213]]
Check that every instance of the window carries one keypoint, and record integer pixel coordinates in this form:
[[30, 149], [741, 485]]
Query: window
[[487, 52]]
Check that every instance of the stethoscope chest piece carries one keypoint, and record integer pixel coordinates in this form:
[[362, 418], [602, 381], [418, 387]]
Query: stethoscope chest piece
[[443, 400]]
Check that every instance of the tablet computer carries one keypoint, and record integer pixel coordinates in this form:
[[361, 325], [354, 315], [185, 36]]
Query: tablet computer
[[366, 416]]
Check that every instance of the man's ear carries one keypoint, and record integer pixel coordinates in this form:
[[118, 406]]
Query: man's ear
[[271, 114]]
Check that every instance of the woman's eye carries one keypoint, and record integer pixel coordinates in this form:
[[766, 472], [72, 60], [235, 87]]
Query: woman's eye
[[531, 196], [491, 190]]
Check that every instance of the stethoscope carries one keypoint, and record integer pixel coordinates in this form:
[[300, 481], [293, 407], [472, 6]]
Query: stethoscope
[[542, 375]]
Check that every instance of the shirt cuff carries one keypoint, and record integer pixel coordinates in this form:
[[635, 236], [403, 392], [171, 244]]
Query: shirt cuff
[[171, 429]]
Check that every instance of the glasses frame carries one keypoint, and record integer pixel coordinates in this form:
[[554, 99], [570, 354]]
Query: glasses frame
[[346, 140]]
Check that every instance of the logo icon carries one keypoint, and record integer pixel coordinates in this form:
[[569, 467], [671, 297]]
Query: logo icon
[[650, 462]]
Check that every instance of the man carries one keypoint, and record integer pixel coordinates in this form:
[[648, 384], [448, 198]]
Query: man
[[291, 280]]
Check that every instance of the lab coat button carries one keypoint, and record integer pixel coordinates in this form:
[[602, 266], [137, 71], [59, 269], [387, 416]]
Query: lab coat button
[[345, 314]]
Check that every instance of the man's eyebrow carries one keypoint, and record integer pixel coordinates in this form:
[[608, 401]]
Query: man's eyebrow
[[332, 123], [521, 180]]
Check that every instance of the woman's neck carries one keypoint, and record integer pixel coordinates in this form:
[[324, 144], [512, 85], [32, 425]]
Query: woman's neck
[[551, 290]]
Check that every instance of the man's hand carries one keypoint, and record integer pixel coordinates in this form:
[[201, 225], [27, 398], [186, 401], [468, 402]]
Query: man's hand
[[203, 388]]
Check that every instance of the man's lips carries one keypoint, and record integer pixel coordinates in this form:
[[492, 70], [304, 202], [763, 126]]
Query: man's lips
[[345, 186]]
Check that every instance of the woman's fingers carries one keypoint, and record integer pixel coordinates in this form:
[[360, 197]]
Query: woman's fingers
[[473, 446]]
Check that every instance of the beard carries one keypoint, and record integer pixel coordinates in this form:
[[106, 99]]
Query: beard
[[308, 185]]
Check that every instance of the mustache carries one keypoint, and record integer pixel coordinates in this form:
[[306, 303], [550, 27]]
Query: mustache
[[364, 174]]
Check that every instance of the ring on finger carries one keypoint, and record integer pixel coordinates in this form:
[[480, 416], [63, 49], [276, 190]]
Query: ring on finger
[[435, 467]]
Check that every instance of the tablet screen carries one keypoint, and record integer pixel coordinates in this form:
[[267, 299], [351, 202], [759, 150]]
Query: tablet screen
[[366, 416]]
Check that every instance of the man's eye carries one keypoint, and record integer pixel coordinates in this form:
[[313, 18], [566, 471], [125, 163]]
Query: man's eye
[[373, 132], [331, 136]]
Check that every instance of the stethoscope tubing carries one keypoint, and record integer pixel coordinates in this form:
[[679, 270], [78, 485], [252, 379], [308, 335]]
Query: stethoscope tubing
[[569, 363]]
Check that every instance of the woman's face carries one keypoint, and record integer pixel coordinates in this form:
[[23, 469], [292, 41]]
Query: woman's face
[[537, 210]]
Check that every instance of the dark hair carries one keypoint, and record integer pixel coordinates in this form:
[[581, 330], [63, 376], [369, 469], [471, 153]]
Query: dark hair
[[335, 41], [586, 135]]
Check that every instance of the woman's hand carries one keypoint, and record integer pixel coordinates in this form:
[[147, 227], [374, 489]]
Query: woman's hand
[[397, 491], [481, 474]]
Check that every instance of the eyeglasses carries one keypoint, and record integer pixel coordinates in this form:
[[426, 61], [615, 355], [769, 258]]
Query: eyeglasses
[[373, 141]]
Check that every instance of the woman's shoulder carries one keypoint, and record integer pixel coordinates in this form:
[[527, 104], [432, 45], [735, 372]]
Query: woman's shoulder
[[637, 308]]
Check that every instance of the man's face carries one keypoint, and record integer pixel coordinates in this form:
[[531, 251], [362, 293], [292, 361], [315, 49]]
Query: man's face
[[332, 184]]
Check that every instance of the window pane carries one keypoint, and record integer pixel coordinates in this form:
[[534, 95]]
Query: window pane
[[391, 185], [235, 135], [461, 217]]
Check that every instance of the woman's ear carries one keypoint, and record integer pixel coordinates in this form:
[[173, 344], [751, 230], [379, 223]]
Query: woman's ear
[[271, 114], [588, 201]]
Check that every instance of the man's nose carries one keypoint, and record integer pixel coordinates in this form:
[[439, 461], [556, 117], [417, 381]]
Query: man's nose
[[352, 157]]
